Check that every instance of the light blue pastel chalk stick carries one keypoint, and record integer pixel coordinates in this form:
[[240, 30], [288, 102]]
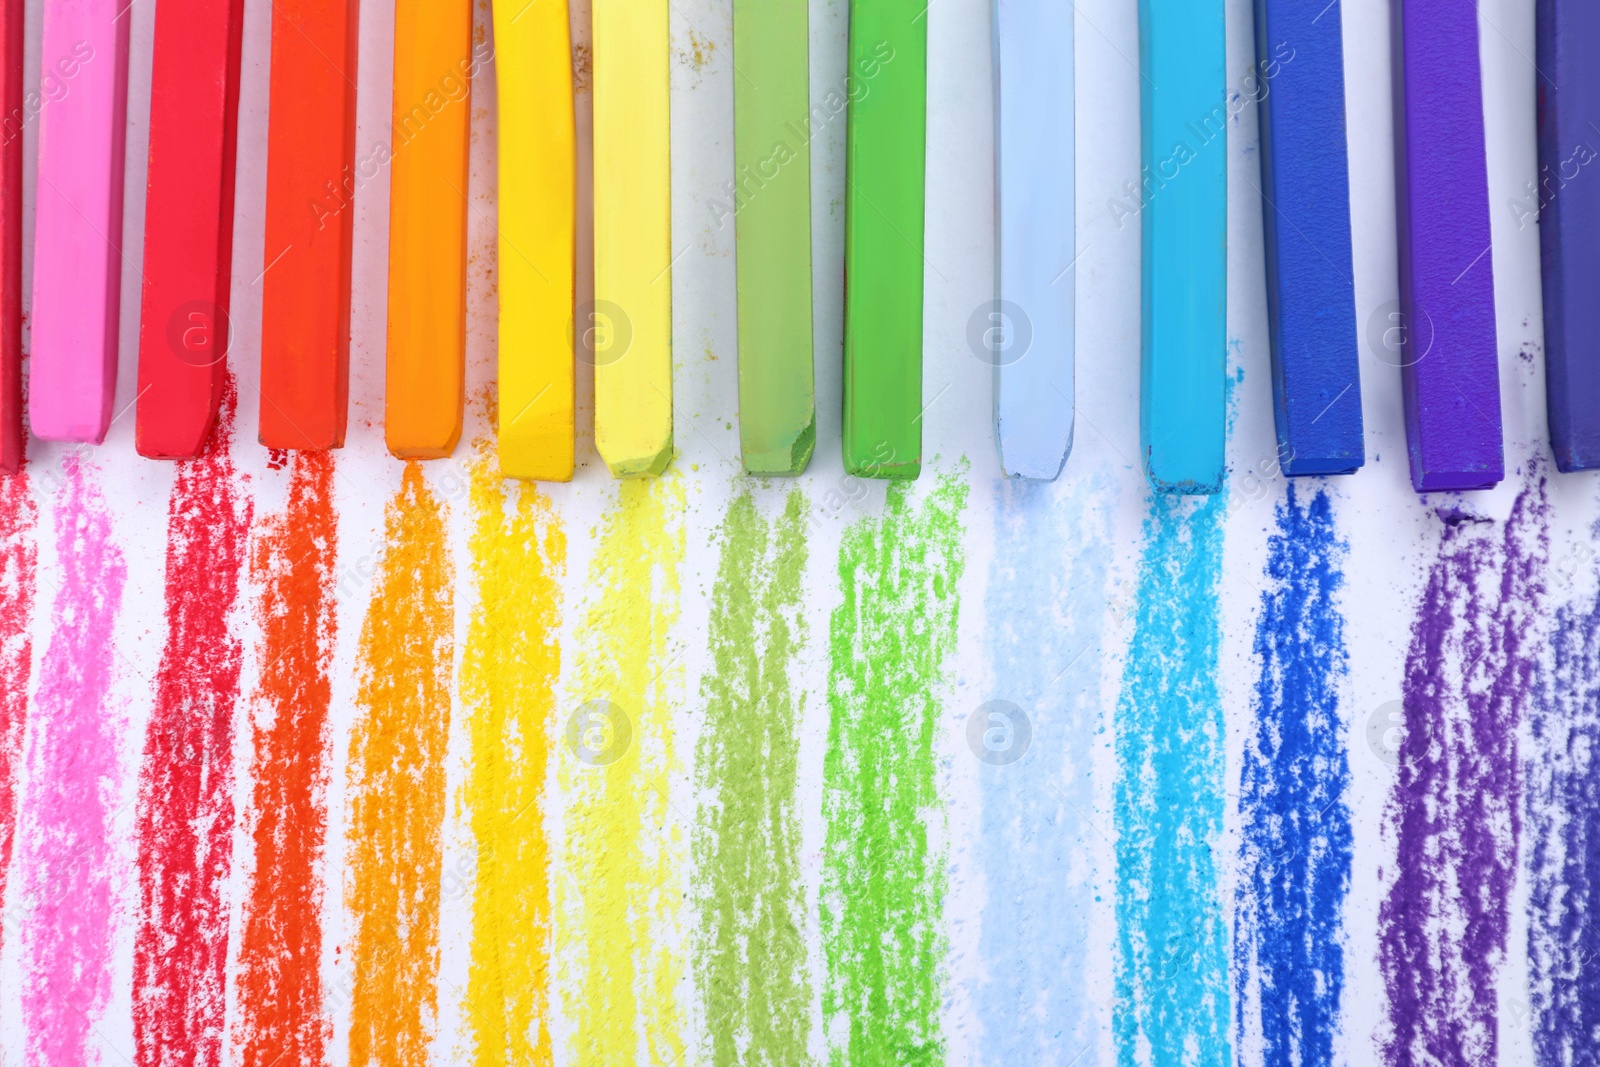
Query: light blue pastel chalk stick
[[1029, 332], [1184, 359]]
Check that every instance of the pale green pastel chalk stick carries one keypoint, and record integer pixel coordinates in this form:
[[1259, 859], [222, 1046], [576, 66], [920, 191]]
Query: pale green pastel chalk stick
[[1182, 55], [772, 220]]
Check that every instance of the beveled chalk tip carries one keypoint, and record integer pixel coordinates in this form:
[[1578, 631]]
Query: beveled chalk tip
[[525, 459], [1445, 481], [69, 428], [787, 461], [1032, 464], [651, 464], [1181, 479], [438, 445], [169, 447], [882, 460], [1575, 456], [890, 472], [1298, 466]]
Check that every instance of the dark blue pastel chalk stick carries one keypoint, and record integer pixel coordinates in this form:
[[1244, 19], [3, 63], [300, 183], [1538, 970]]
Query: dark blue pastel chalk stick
[[1450, 371], [1567, 201], [1311, 299]]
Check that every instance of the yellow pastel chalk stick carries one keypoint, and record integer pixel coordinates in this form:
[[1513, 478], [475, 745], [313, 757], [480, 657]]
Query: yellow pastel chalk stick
[[432, 111], [632, 320], [538, 237]]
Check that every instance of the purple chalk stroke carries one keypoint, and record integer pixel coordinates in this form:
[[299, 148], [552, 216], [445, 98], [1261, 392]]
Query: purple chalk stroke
[[1454, 817], [1449, 359]]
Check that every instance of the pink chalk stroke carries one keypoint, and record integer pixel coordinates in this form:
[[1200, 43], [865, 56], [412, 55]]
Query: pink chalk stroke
[[67, 856]]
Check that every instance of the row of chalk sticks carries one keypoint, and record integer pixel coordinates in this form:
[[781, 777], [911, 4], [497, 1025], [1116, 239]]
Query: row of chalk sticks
[[1444, 330]]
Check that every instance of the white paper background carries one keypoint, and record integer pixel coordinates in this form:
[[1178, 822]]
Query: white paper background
[[1391, 534]]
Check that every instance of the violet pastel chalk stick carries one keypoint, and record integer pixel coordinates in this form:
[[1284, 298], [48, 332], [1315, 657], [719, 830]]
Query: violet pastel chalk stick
[[1311, 300], [1568, 198], [77, 237], [1450, 364]]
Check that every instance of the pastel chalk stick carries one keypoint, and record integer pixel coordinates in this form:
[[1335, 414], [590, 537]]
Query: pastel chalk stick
[[1567, 202], [772, 224], [884, 214], [77, 236], [1183, 431], [12, 437], [537, 239], [1305, 187], [430, 131], [1450, 365], [184, 329], [632, 316], [1029, 335], [311, 180]]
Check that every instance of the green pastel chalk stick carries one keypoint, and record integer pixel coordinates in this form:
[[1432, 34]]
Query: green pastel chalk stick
[[888, 92], [772, 225]]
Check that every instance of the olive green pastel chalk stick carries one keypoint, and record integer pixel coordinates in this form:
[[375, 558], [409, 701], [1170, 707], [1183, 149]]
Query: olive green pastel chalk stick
[[772, 225], [883, 238]]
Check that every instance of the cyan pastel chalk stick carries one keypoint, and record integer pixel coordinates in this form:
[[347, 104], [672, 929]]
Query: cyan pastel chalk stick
[[1029, 335], [1311, 301], [1450, 365], [1182, 55], [1566, 203]]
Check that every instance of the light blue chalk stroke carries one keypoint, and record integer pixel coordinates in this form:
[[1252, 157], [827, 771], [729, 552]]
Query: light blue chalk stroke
[[1295, 837], [1172, 995], [1029, 335], [1045, 607]]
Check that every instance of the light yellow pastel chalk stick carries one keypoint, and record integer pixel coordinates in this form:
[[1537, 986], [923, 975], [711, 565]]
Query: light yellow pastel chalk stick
[[632, 237], [538, 238]]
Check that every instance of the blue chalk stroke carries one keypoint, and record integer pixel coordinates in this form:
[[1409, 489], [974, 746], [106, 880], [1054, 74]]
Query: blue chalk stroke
[[1045, 606], [1295, 849], [1305, 192], [1563, 804], [1172, 992]]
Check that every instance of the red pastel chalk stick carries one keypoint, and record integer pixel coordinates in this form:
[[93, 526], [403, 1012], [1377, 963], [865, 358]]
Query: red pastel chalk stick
[[188, 227], [11, 119], [305, 324]]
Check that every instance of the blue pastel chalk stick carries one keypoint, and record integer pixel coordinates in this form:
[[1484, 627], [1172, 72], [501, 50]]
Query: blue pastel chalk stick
[[1450, 367], [1029, 334], [1184, 359], [1566, 202], [1305, 192]]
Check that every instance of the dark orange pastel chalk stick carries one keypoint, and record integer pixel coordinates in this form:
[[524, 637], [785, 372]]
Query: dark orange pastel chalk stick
[[188, 225], [305, 314], [11, 118]]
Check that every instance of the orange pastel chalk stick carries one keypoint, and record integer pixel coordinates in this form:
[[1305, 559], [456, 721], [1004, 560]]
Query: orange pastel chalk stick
[[305, 314], [433, 67]]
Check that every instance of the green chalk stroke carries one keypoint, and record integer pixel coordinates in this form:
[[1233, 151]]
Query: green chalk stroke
[[750, 949], [883, 883], [1172, 1005]]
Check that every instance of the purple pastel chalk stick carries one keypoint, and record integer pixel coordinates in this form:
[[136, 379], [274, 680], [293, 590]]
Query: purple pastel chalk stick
[[1566, 202], [1450, 363]]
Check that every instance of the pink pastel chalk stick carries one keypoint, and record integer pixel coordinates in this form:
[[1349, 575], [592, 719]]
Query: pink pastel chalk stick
[[77, 260]]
